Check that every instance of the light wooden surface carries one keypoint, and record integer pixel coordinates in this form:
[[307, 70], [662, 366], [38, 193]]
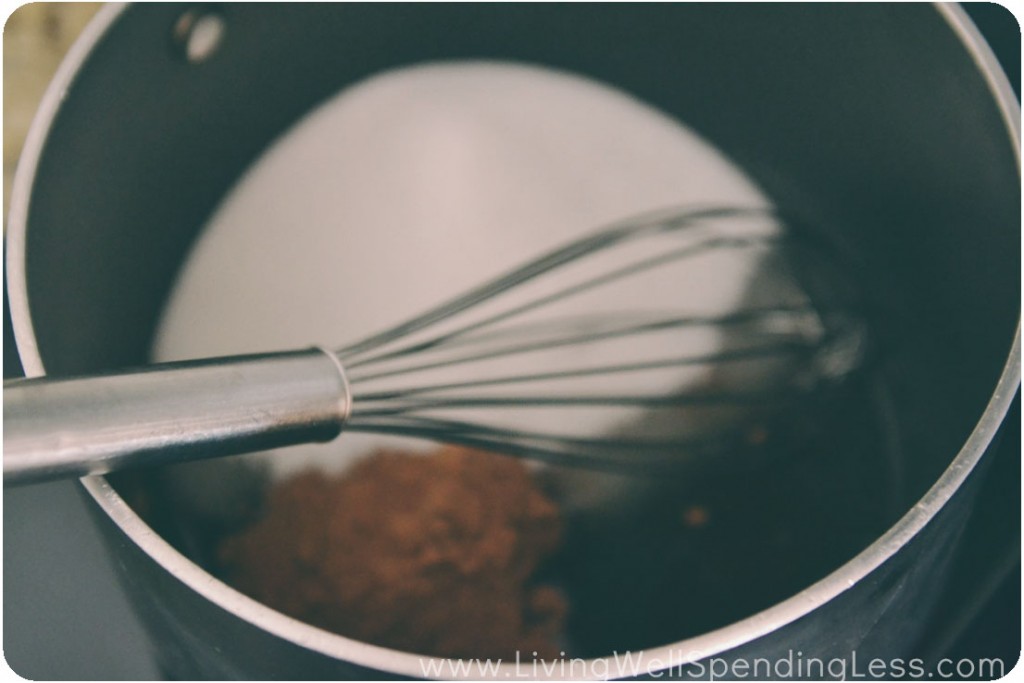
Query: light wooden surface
[[36, 37]]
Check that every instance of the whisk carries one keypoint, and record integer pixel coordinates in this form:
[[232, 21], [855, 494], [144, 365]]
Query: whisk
[[567, 359]]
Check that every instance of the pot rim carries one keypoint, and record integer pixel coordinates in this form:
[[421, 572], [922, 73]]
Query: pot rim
[[404, 663]]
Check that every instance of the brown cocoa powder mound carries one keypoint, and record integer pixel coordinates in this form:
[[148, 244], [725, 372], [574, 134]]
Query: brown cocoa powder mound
[[430, 554]]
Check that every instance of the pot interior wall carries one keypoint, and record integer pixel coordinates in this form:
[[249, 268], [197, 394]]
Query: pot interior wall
[[870, 120]]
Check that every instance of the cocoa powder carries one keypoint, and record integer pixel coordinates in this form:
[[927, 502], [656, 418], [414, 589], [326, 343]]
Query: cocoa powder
[[431, 554]]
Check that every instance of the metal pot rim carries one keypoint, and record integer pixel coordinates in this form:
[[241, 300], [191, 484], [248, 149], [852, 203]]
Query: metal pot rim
[[409, 664]]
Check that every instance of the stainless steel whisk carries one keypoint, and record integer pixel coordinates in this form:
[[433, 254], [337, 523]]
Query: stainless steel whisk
[[562, 359]]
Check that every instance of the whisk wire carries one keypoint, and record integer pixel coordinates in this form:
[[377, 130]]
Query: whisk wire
[[394, 391], [589, 337], [600, 370], [614, 235], [587, 285]]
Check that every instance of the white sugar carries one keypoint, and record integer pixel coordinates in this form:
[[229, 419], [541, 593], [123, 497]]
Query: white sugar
[[416, 184]]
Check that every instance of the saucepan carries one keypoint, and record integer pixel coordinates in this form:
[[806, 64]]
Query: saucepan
[[889, 125]]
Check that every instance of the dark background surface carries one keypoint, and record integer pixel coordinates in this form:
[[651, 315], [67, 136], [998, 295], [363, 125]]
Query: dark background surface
[[65, 618], [980, 615]]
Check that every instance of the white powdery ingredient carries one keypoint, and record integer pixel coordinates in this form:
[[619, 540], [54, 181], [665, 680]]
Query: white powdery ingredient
[[415, 185]]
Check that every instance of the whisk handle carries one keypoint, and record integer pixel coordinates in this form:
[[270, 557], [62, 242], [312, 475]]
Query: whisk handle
[[170, 412]]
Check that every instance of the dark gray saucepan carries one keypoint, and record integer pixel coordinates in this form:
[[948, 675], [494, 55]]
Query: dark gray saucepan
[[889, 124]]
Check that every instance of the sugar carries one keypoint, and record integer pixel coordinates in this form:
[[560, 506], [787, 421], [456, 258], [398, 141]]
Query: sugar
[[417, 184]]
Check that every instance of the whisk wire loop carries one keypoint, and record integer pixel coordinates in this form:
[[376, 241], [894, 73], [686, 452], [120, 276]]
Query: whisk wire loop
[[599, 385]]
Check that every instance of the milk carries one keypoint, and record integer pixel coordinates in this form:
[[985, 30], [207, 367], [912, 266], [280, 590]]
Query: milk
[[416, 184]]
